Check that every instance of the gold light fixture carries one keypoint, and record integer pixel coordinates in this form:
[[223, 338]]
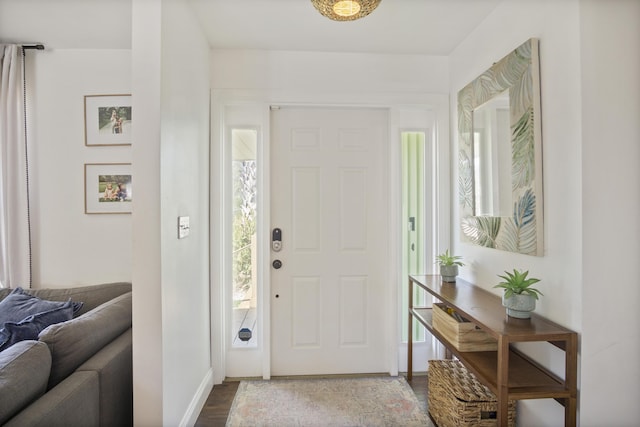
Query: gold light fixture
[[345, 10]]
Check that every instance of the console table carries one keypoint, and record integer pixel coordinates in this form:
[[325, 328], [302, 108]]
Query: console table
[[507, 372]]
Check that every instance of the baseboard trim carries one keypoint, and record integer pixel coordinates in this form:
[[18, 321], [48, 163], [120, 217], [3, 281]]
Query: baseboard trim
[[199, 399]]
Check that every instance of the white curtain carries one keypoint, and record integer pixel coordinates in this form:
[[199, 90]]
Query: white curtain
[[14, 225]]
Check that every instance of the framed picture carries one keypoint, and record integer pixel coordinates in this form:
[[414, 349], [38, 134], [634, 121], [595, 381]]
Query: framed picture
[[107, 188], [107, 120]]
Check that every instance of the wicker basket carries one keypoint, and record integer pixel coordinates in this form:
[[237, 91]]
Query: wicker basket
[[456, 398], [465, 336]]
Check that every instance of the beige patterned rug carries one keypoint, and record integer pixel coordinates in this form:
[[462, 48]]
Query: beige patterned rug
[[371, 402]]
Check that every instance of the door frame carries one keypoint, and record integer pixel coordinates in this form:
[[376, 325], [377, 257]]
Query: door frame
[[258, 103]]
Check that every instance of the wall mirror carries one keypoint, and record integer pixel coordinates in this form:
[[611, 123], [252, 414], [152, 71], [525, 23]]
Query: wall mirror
[[500, 155]]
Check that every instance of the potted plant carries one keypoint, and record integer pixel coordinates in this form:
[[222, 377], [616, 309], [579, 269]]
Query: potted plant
[[449, 266], [519, 297]]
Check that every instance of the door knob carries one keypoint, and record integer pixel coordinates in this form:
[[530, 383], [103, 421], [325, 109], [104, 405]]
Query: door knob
[[276, 264]]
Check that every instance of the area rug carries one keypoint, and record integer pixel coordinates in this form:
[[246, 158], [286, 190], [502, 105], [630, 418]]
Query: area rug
[[371, 402]]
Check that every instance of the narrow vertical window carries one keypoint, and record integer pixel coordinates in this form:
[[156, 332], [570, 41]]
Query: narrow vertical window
[[414, 219], [244, 217]]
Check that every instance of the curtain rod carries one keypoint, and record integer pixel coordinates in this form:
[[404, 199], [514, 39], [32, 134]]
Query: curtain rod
[[33, 46]]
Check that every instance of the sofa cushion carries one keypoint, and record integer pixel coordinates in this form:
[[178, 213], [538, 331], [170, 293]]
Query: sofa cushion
[[92, 296], [18, 305], [72, 403], [30, 327], [73, 342], [24, 372]]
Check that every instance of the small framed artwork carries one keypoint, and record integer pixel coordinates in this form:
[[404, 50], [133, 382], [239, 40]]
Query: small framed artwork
[[107, 188], [107, 120]]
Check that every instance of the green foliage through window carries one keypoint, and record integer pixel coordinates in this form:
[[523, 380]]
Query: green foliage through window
[[244, 225]]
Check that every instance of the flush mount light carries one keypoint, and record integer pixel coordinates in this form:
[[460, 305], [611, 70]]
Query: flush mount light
[[345, 10]]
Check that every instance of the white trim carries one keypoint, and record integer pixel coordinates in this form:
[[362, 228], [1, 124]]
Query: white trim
[[242, 362], [407, 121], [199, 399], [438, 103], [395, 238], [218, 324], [443, 185], [264, 265]]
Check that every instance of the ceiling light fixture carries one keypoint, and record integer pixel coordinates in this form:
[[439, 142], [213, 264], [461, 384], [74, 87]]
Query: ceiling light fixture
[[345, 10]]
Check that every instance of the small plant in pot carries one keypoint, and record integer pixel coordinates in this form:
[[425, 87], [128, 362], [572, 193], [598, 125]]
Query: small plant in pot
[[449, 266], [519, 297]]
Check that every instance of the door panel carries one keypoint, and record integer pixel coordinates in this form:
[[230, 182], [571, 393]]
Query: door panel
[[306, 203], [329, 196]]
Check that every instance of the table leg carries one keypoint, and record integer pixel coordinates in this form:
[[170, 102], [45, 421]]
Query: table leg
[[503, 382], [571, 380], [410, 331]]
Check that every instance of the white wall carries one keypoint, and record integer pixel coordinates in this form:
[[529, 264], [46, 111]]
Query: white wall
[[610, 48], [172, 376], [148, 356], [185, 192], [556, 25], [71, 248], [328, 72], [579, 167]]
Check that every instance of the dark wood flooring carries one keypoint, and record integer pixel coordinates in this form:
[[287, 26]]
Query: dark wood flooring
[[216, 409]]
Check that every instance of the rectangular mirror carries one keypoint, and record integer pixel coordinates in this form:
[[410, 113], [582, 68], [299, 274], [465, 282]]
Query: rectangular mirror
[[500, 155], [492, 157]]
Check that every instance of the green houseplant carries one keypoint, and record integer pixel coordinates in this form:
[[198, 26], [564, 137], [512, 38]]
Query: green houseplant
[[449, 264], [519, 297]]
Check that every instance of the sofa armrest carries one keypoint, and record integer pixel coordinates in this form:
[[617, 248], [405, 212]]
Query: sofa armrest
[[73, 342], [114, 366], [24, 373], [72, 403]]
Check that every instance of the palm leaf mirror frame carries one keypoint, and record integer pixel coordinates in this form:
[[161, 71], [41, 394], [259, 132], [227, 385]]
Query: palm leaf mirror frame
[[521, 228]]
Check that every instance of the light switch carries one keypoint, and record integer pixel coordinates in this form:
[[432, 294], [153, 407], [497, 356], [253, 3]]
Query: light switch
[[183, 227]]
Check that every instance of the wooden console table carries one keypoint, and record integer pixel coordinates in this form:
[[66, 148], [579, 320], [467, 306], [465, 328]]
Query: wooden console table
[[508, 373]]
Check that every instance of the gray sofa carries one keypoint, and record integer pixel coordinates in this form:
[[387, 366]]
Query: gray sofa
[[78, 372]]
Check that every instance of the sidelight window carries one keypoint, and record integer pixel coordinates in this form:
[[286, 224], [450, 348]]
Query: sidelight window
[[244, 246]]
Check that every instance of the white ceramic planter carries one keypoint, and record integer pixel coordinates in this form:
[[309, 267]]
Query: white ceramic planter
[[449, 273], [519, 306]]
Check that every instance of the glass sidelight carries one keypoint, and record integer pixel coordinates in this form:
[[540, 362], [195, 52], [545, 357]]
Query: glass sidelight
[[414, 193], [244, 245]]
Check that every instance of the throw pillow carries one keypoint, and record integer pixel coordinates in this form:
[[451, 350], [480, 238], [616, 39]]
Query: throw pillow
[[19, 304], [30, 327]]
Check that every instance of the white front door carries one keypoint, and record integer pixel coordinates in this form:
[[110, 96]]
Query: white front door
[[330, 299]]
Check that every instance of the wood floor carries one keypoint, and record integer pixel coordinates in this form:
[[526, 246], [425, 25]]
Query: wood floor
[[216, 409]]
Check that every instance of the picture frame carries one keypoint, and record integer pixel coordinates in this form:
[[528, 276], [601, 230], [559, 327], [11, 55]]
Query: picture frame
[[107, 188], [107, 120]]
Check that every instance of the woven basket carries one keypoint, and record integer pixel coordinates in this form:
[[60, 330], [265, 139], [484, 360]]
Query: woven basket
[[456, 398]]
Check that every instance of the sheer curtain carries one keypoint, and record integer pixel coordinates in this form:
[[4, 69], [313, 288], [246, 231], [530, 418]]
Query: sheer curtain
[[14, 223]]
